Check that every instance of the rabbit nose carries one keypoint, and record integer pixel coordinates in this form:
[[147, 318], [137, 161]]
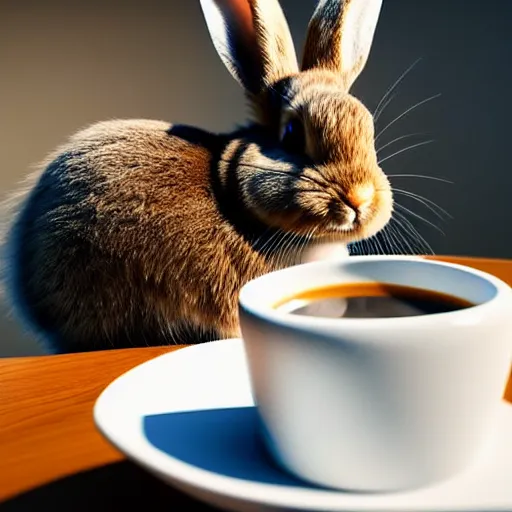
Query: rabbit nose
[[361, 197], [342, 214], [350, 216]]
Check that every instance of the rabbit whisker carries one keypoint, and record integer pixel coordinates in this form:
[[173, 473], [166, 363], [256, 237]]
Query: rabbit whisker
[[272, 242], [396, 140], [367, 246], [386, 234], [380, 249], [423, 143], [407, 225], [414, 214], [372, 249], [409, 234], [393, 87], [396, 248], [382, 241], [435, 178], [378, 113], [317, 180], [266, 247], [264, 237], [405, 113], [389, 246], [308, 239], [312, 190], [374, 244], [402, 241], [360, 247], [278, 171], [353, 248], [303, 242], [283, 250], [428, 203], [292, 248], [398, 236]]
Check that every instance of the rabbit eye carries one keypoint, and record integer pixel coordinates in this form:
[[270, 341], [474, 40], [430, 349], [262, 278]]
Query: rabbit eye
[[293, 136]]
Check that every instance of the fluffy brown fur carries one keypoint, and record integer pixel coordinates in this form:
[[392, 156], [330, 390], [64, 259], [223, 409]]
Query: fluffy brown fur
[[139, 232]]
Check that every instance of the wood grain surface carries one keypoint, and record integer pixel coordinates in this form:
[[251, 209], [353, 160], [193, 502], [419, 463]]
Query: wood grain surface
[[46, 424]]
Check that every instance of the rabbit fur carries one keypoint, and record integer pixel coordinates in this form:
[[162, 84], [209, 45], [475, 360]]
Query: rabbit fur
[[140, 232]]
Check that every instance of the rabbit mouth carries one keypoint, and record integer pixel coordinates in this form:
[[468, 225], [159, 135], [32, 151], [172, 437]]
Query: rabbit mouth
[[352, 229], [335, 227]]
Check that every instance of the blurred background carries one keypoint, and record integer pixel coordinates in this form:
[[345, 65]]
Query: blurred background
[[64, 65]]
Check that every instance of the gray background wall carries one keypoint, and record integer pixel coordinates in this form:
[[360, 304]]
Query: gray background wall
[[64, 65]]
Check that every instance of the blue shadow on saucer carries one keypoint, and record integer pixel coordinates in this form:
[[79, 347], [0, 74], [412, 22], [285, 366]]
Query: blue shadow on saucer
[[223, 441]]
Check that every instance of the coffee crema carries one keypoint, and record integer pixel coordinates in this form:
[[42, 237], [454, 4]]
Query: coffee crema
[[370, 300]]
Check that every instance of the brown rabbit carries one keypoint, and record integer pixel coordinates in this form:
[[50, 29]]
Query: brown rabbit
[[139, 232]]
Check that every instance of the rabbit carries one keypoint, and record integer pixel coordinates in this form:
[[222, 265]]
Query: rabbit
[[140, 232]]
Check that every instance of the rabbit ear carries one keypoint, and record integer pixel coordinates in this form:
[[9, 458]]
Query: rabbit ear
[[340, 36], [253, 40]]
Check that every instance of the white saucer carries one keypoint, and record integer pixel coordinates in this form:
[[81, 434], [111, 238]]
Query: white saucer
[[188, 417]]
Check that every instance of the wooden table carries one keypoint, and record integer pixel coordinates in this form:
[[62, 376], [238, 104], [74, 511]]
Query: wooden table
[[47, 432]]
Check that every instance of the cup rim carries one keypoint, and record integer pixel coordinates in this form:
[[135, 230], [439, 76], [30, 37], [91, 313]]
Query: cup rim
[[467, 317]]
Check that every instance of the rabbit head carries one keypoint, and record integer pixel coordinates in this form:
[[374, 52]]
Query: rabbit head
[[308, 165]]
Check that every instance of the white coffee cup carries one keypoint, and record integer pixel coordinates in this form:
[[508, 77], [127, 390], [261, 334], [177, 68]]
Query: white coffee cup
[[378, 404]]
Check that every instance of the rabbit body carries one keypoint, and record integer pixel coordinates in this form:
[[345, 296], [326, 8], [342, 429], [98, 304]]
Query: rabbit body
[[139, 232], [126, 216]]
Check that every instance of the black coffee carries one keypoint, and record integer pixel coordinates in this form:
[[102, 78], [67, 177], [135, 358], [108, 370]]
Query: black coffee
[[371, 300]]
